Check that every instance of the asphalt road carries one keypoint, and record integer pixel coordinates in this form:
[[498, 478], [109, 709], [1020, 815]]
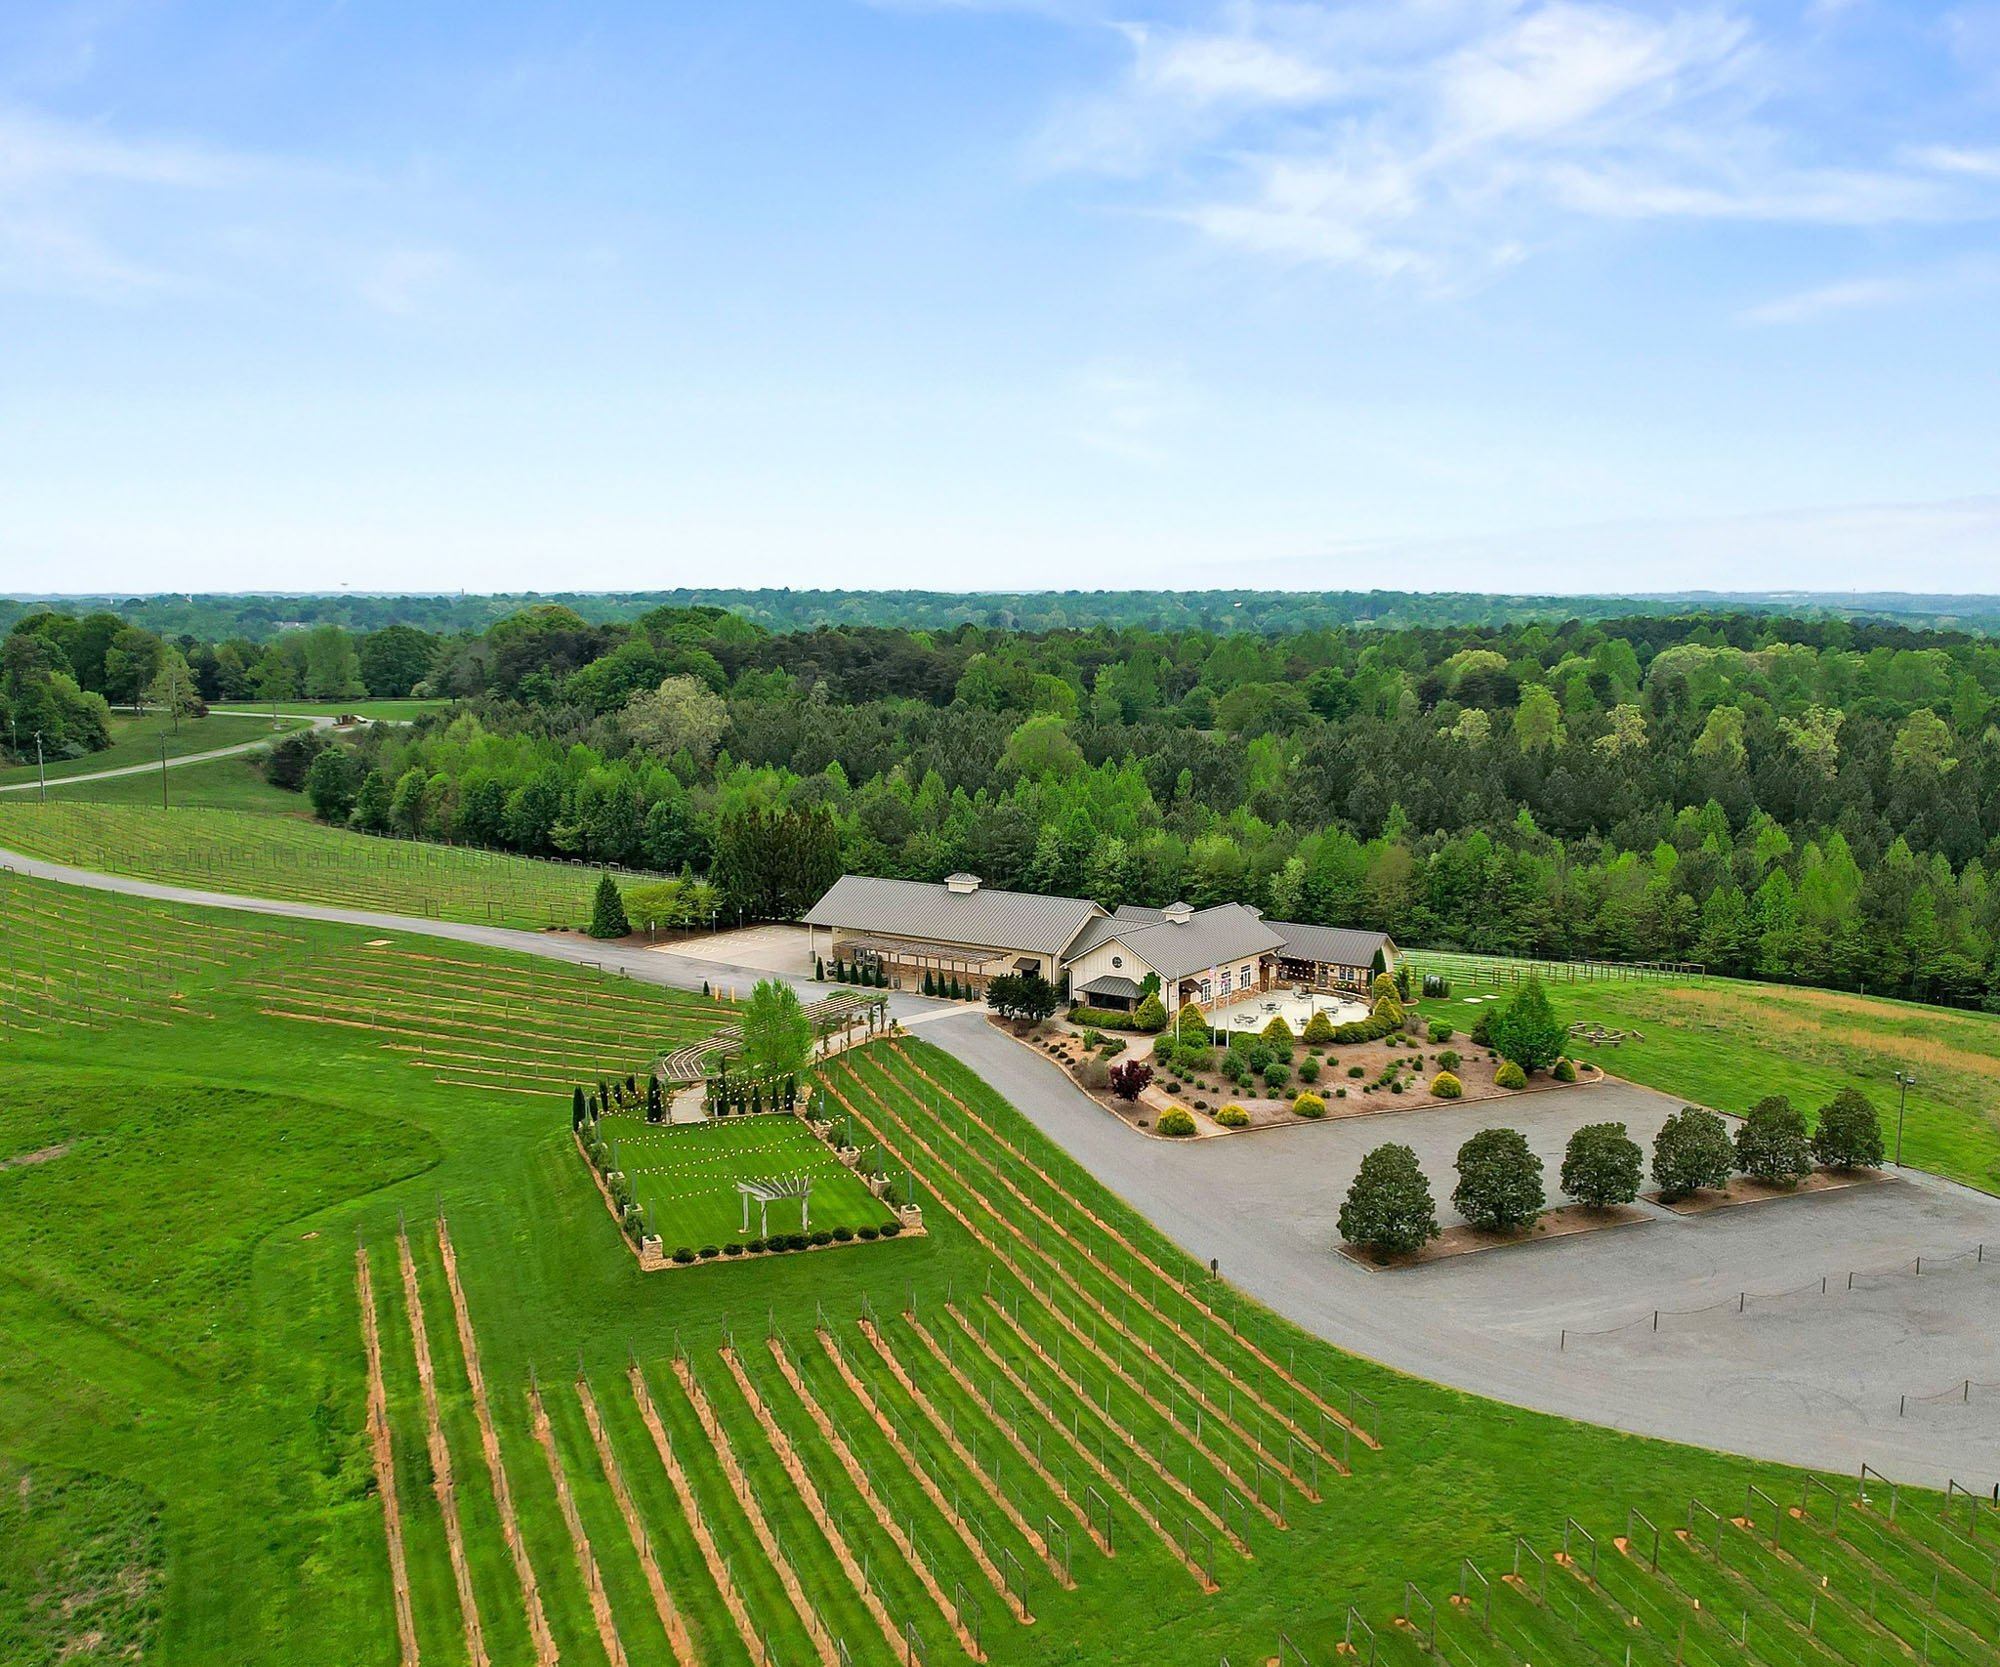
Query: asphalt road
[[1806, 1379]]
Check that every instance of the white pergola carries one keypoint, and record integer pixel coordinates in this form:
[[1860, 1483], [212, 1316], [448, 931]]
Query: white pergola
[[770, 1189]]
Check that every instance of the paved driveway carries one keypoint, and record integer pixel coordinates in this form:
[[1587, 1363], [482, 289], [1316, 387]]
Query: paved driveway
[[1809, 1378]]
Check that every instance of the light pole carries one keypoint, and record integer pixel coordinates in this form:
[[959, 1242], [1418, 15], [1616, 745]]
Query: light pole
[[1904, 1083], [41, 768]]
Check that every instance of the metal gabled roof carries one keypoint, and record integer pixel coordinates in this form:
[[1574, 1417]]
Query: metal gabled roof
[[923, 909]]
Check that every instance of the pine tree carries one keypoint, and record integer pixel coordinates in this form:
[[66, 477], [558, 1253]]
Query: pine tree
[[607, 910]]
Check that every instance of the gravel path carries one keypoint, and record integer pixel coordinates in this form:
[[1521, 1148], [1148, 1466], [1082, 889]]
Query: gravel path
[[153, 768]]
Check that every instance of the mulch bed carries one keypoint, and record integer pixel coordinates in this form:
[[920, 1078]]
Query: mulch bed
[[1563, 1222], [1743, 1190]]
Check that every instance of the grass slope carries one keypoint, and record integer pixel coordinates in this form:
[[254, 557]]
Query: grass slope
[[137, 741], [1726, 1044], [269, 856], [79, 1567], [234, 783], [179, 1301]]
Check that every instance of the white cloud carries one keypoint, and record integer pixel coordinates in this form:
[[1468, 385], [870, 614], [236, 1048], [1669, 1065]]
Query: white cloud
[[36, 151], [1131, 409], [402, 282], [1438, 142], [1898, 289]]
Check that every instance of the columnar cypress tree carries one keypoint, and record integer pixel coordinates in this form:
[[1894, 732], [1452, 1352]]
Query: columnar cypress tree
[[576, 1108]]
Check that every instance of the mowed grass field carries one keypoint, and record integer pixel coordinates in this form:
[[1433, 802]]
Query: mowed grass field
[[227, 1202], [136, 740], [233, 783], [685, 1177], [287, 857], [1726, 1043], [376, 711]]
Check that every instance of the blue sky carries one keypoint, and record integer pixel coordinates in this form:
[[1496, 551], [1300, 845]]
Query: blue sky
[[1441, 294]]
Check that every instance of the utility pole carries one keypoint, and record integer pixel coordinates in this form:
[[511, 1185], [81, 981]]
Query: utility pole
[[163, 772], [1904, 1083]]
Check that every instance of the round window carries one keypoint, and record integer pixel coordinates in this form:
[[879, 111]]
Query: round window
[[1117, 960]]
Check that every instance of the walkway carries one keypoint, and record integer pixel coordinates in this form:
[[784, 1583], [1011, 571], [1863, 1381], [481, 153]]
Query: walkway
[[153, 768], [1808, 1382]]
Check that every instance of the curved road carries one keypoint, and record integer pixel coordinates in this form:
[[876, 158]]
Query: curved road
[[1807, 1379], [154, 767]]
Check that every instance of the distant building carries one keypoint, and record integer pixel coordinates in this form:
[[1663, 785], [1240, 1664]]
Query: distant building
[[960, 929]]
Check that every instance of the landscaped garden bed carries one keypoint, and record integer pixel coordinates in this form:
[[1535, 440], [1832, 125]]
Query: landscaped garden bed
[[1743, 1190], [1565, 1221]]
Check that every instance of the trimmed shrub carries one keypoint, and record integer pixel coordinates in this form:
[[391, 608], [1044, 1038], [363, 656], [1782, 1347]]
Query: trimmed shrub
[[732, 1249], [1309, 1069], [1357, 1070], [1232, 1116], [1175, 1122], [1564, 1071], [1499, 1180], [1383, 988], [1691, 1151], [1389, 1207], [1094, 1073], [1151, 1015], [891, 1228], [1772, 1145], [1848, 1134], [1340, 1093], [1510, 1075], [1446, 1086], [1309, 1105], [1194, 1058], [843, 1234], [758, 1245], [822, 1235], [1319, 1029], [710, 1251], [870, 1232], [684, 1255], [1449, 1060], [1279, 1035], [1191, 1024], [1277, 1074], [1439, 1031], [1601, 1165]]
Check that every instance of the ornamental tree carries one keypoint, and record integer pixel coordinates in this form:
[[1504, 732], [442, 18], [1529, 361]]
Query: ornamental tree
[[1848, 1134], [607, 910], [1602, 1165], [1527, 1030], [1772, 1145], [1151, 1015], [1319, 1028], [1499, 1180], [777, 1035], [1691, 1151], [1389, 1207], [1129, 1079]]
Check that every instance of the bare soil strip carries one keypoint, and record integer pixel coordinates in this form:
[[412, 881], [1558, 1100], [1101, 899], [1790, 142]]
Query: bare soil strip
[[858, 1475], [385, 1460], [442, 1481], [579, 1537], [1139, 1449], [815, 1504], [739, 1484], [1014, 1439], [642, 1544], [1147, 1262], [1089, 1340], [496, 1468], [718, 1564], [1083, 1451]]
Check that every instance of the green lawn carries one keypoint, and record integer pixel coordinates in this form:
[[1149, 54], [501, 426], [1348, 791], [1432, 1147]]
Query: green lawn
[[1726, 1044], [79, 1566], [137, 741], [377, 711], [234, 783], [181, 1321], [271, 856], [686, 1175]]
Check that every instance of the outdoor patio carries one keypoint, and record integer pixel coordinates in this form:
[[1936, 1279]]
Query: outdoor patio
[[1254, 1012]]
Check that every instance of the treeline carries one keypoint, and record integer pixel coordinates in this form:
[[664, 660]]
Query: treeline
[[1811, 799], [259, 619]]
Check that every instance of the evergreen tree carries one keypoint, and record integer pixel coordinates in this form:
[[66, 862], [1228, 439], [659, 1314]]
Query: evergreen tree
[[607, 910], [1389, 1207]]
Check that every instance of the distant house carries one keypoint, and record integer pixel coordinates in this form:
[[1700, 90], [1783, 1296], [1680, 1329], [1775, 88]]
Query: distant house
[[960, 929]]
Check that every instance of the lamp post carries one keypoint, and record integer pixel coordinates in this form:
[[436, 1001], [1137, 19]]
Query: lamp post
[[1904, 1083]]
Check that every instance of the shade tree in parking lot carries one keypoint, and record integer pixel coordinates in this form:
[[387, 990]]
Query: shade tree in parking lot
[[1602, 1165], [1389, 1207], [1772, 1145], [1499, 1180], [1848, 1133], [1692, 1150]]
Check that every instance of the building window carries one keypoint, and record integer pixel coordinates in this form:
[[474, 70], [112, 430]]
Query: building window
[[1201, 989], [1246, 978], [1225, 981], [1117, 960]]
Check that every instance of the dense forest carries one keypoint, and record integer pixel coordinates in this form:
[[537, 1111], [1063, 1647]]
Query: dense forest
[[256, 620], [1814, 799]]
